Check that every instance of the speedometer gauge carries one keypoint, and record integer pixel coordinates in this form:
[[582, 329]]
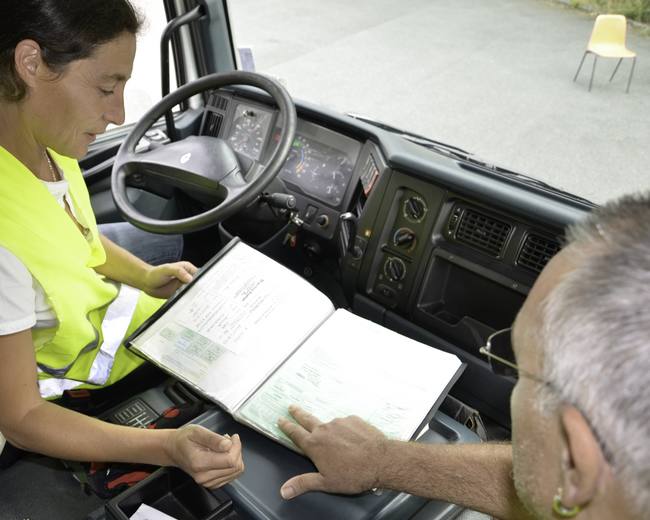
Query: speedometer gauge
[[249, 130]]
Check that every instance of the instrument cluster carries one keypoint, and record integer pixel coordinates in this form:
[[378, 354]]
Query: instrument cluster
[[318, 170], [320, 164]]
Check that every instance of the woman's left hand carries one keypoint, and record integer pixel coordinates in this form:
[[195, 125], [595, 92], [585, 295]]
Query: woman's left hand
[[161, 281]]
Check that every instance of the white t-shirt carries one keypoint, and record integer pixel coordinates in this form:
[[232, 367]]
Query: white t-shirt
[[23, 303]]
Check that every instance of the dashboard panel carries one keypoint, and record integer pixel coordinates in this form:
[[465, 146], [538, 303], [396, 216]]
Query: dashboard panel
[[323, 167], [320, 164]]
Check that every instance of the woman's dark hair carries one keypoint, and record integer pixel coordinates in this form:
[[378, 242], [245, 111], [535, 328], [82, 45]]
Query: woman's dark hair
[[66, 30]]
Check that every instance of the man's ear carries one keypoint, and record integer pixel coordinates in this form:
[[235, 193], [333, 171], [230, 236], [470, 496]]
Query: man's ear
[[584, 463], [28, 60]]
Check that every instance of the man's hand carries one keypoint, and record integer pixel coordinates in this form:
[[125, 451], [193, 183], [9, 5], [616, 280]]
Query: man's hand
[[348, 453], [212, 460], [162, 281]]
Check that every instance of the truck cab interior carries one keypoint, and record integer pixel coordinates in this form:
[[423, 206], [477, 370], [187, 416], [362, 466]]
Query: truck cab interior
[[411, 233]]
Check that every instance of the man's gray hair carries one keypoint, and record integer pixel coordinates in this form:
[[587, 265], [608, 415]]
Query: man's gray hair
[[596, 336]]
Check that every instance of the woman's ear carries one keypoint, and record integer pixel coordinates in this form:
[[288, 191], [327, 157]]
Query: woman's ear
[[28, 61], [584, 464]]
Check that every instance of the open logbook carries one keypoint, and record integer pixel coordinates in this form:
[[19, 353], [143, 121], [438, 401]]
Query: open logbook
[[254, 337]]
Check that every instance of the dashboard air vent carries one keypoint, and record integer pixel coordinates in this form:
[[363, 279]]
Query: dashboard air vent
[[485, 233], [219, 102], [536, 252], [212, 124]]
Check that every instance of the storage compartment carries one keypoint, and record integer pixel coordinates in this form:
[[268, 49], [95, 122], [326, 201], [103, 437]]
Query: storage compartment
[[465, 302], [174, 493]]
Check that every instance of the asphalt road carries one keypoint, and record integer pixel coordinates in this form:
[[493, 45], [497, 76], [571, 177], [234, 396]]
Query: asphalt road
[[493, 77]]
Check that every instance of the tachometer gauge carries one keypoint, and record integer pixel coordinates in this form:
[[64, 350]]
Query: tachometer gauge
[[295, 166], [249, 130]]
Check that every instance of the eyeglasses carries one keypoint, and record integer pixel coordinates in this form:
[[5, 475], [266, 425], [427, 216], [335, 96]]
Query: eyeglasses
[[501, 356]]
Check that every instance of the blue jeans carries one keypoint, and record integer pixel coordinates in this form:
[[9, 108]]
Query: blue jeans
[[152, 248]]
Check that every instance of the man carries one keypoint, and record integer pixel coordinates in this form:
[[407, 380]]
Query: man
[[580, 409]]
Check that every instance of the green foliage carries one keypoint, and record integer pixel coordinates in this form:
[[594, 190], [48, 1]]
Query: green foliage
[[638, 10]]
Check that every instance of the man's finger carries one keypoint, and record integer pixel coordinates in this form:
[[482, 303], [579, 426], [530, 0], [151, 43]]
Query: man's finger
[[304, 418], [302, 484], [294, 431]]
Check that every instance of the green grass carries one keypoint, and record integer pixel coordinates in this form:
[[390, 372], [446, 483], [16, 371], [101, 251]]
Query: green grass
[[638, 10]]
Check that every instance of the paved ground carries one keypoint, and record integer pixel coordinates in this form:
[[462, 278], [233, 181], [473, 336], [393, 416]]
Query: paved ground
[[492, 77]]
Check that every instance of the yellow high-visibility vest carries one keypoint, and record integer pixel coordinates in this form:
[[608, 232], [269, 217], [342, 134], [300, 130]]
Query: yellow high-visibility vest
[[94, 314]]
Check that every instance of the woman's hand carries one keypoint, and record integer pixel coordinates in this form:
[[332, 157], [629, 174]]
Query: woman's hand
[[158, 281], [162, 281], [212, 460]]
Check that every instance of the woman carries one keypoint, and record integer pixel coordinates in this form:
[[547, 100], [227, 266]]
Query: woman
[[68, 296]]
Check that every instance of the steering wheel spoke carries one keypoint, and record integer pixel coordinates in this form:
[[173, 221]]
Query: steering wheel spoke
[[201, 165], [195, 163], [234, 184], [255, 169]]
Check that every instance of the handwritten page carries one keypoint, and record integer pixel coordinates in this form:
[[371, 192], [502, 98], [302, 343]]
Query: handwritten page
[[351, 366], [235, 325]]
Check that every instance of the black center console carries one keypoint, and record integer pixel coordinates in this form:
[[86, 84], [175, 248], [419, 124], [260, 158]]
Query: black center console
[[256, 494]]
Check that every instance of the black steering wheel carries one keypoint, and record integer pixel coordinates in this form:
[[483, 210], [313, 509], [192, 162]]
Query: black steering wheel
[[201, 164]]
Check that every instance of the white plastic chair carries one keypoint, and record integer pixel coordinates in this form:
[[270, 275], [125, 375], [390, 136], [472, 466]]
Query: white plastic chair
[[608, 41]]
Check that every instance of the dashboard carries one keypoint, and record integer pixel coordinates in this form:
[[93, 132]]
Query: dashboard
[[320, 163], [437, 249], [319, 170], [323, 166]]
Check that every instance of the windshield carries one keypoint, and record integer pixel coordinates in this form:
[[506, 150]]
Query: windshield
[[143, 89], [493, 78]]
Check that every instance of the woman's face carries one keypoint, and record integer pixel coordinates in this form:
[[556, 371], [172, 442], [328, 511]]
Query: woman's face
[[68, 110]]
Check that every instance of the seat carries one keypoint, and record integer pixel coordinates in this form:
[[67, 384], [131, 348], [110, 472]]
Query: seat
[[608, 41]]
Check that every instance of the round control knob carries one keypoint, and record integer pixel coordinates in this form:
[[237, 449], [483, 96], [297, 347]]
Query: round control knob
[[404, 238], [395, 269], [322, 220], [415, 208]]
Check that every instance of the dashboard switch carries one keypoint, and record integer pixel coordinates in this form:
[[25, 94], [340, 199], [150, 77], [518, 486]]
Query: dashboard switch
[[386, 292], [310, 213], [404, 238], [415, 209], [395, 269]]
